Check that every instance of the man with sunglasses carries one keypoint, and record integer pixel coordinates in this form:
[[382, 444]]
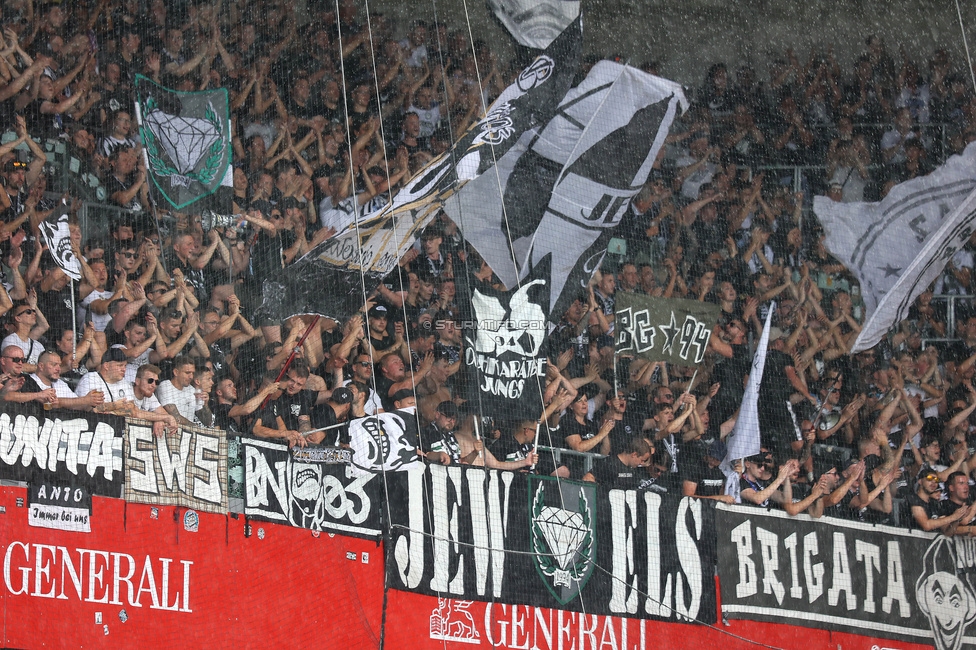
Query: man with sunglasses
[[12, 362], [29, 324], [362, 372], [149, 408], [925, 507]]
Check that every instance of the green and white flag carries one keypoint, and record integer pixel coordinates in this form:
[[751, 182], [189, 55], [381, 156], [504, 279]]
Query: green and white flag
[[187, 140], [660, 329]]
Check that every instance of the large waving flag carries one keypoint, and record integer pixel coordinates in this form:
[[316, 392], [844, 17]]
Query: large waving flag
[[187, 141], [561, 192], [370, 249], [898, 246], [744, 441]]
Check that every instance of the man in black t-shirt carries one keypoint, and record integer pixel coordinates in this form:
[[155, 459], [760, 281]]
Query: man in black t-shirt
[[289, 415], [778, 424], [924, 506], [622, 471], [700, 474], [520, 443], [957, 486], [336, 410]]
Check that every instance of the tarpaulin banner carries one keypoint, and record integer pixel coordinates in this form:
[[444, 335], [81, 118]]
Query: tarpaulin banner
[[831, 573], [475, 534], [318, 496], [186, 468], [62, 447], [659, 329]]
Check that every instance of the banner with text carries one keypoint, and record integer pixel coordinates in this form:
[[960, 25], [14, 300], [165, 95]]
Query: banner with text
[[187, 468], [314, 495], [659, 329], [875, 581], [476, 534], [59, 447]]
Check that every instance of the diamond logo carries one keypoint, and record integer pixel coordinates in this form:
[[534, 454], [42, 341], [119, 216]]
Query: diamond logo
[[562, 534], [185, 139]]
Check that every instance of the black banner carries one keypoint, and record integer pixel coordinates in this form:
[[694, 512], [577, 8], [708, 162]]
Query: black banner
[[533, 540], [504, 354], [872, 580], [61, 504], [61, 447], [313, 495]]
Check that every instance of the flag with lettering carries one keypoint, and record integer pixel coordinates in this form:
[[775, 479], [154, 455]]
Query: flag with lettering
[[566, 186], [663, 329], [372, 247]]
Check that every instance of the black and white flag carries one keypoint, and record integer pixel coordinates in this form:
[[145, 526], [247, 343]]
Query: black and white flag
[[504, 354], [57, 237], [568, 184], [386, 442], [371, 248], [659, 329], [898, 246], [535, 24]]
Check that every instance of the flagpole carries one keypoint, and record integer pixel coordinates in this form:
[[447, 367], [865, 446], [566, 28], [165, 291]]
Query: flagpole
[[291, 357], [535, 447], [74, 322]]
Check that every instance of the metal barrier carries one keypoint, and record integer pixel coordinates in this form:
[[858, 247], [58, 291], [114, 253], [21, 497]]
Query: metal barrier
[[558, 453]]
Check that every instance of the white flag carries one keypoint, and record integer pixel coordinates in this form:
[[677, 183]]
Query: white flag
[[920, 218], [57, 238], [923, 270], [385, 443], [744, 439]]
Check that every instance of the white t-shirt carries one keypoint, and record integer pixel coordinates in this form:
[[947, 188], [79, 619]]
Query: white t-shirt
[[31, 348], [148, 403], [60, 387], [133, 364], [185, 400], [338, 217], [113, 392], [100, 321]]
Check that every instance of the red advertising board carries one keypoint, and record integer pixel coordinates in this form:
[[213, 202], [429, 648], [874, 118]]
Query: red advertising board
[[419, 621], [167, 577]]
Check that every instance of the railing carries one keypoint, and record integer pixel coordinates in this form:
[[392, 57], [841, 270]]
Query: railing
[[558, 453]]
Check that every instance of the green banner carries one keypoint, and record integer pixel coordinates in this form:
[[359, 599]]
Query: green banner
[[187, 138], [660, 329]]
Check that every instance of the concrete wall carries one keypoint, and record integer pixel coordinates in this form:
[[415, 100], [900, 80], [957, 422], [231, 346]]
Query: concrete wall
[[688, 36]]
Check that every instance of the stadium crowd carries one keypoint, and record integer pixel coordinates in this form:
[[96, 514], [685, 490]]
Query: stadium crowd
[[332, 116]]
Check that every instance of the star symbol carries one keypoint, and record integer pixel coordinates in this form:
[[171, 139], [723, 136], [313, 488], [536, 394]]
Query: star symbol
[[670, 334], [890, 270]]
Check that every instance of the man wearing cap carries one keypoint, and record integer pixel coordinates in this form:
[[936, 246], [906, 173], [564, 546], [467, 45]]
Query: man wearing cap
[[432, 261], [703, 479], [380, 339], [338, 408], [622, 470], [438, 439], [756, 489], [925, 508], [109, 380]]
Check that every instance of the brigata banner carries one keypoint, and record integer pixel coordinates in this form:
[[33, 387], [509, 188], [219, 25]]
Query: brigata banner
[[660, 329], [69, 448], [320, 496], [875, 581], [474, 534], [187, 468]]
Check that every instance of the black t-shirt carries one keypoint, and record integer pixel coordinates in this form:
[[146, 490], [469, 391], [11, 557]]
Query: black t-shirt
[[383, 386], [610, 472], [758, 486], [432, 438], [290, 408], [223, 420], [709, 481], [323, 415], [624, 431], [931, 507], [570, 427]]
